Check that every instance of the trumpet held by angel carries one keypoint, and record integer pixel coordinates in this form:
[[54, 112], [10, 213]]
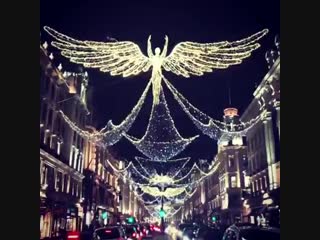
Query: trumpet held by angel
[[125, 57]]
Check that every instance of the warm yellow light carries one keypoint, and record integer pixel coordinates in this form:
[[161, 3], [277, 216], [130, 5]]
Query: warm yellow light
[[125, 58], [169, 192], [161, 179]]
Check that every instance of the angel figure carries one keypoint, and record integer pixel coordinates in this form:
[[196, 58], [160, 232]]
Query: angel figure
[[125, 58]]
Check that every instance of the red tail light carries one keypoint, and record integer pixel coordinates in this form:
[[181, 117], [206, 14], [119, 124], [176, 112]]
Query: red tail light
[[108, 231], [73, 236], [133, 234], [144, 230]]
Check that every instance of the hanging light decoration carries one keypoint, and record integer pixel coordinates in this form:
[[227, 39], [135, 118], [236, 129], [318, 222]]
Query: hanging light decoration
[[161, 141]]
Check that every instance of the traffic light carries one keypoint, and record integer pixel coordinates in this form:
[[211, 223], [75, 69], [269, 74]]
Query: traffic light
[[104, 215], [131, 220], [214, 219], [162, 213]]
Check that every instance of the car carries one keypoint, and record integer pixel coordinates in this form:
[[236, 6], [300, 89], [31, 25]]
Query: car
[[190, 232], [146, 230], [131, 232], [250, 232], [138, 228], [109, 233]]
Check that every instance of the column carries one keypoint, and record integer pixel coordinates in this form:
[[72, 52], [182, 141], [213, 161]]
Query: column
[[270, 149], [41, 167], [278, 118]]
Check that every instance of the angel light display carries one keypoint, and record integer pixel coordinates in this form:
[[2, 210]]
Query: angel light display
[[125, 58]]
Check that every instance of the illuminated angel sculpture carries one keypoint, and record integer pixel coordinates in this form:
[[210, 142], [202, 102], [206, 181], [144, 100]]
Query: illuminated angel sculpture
[[125, 58]]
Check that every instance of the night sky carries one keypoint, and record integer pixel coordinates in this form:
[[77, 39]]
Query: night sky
[[203, 21]]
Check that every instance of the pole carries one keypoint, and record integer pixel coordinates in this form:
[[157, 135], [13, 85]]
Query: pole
[[162, 218]]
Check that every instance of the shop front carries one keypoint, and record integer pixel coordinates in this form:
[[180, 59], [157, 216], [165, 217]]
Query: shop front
[[265, 209], [45, 219]]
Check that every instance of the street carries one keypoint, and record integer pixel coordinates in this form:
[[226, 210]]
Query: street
[[163, 123]]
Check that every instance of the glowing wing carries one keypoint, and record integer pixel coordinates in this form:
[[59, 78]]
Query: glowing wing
[[196, 58], [119, 58]]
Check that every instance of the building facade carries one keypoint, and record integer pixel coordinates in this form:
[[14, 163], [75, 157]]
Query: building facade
[[101, 187], [218, 199], [246, 185], [79, 182], [263, 205], [61, 148]]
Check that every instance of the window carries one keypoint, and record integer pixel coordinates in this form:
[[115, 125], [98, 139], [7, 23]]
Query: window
[[53, 88], [43, 112], [222, 185], [265, 182], [257, 185], [71, 156], [231, 161], [75, 189], [261, 184], [58, 148], [233, 181], [44, 175], [67, 183], [79, 162], [76, 158], [80, 190], [59, 182], [50, 178], [71, 186], [246, 181]]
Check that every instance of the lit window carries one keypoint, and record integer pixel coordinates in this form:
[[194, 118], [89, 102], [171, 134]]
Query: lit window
[[257, 185], [231, 161], [265, 182], [233, 181], [58, 148], [246, 181]]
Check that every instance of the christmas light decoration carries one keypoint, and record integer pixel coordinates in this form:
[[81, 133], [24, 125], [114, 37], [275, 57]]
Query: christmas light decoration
[[172, 168], [169, 192], [209, 126], [110, 134], [125, 58], [115, 132], [161, 140], [161, 180]]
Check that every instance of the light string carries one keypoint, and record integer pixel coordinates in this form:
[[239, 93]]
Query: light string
[[125, 58], [211, 128], [161, 141], [111, 133], [172, 164]]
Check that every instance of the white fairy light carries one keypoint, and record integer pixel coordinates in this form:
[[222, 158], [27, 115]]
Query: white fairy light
[[161, 179], [169, 192], [209, 126], [171, 167], [161, 141], [115, 132], [45, 45], [111, 133], [60, 67], [125, 58]]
